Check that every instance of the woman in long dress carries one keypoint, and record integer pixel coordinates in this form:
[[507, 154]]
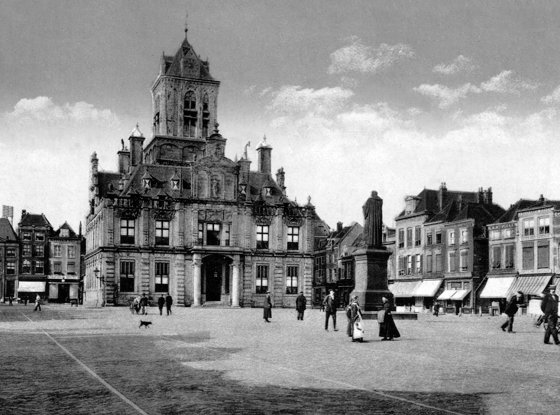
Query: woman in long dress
[[387, 328]]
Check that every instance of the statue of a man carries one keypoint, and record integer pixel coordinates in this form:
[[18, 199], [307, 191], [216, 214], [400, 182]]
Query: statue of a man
[[373, 220]]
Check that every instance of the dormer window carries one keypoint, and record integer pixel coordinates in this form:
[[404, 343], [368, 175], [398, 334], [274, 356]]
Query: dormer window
[[174, 184], [64, 233], [268, 191], [121, 184], [146, 183], [243, 188]]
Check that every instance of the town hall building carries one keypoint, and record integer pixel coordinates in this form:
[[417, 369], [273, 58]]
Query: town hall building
[[180, 217]]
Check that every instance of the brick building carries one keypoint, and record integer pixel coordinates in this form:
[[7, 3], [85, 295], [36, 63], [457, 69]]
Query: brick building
[[9, 260], [64, 264], [178, 216]]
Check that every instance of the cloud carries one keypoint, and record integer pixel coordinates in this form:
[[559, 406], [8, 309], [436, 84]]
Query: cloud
[[265, 91], [294, 99], [348, 82], [447, 96], [44, 110], [505, 83], [553, 98], [249, 90], [459, 64], [360, 58]]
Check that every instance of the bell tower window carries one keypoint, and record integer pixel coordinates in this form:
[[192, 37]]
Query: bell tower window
[[205, 116], [190, 115]]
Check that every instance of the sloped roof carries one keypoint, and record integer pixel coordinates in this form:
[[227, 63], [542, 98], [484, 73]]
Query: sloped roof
[[481, 213], [7, 232], [429, 201], [31, 219], [174, 69], [71, 233], [447, 214], [512, 213]]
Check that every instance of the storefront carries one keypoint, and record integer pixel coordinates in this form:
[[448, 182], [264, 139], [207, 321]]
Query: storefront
[[63, 291], [403, 292], [425, 293], [456, 298], [30, 289], [494, 294]]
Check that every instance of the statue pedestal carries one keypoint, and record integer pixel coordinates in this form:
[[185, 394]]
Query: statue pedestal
[[371, 278]]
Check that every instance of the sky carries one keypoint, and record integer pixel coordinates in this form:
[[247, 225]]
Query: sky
[[353, 96]]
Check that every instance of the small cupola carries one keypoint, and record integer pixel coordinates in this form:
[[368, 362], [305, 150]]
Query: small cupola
[[265, 154]]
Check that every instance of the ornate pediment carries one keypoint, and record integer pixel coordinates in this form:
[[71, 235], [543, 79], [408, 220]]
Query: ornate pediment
[[127, 207]]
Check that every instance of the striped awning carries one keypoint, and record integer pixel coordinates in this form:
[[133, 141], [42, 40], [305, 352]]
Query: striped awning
[[428, 288], [403, 289], [460, 295], [530, 284], [446, 295], [497, 287]]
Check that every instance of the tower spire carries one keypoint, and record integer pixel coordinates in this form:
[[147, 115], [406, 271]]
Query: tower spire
[[186, 23]]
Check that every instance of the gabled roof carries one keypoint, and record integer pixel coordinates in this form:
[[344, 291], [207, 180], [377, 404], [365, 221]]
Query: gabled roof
[[447, 214], [71, 233], [31, 219], [512, 213], [481, 213], [429, 201], [7, 232]]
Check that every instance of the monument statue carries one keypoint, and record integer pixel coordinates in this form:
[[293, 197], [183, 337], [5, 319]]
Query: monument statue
[[373, 221]]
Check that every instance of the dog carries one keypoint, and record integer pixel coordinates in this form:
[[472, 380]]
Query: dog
[[145, 324]]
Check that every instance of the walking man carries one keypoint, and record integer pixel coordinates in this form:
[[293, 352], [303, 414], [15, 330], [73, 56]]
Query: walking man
[[144, 303], [168, 302], [549, 307], [330, 310], [267, 307], [511, 308], [301, 302], [160, 303], [37, 303]]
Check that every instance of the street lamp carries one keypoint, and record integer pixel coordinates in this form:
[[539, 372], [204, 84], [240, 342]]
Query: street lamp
[[102, 280]]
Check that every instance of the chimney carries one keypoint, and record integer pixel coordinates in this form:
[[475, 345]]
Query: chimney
[[479, 198], [339, 226], [124, 159], [136, 147], [488, 196], [541, 199], [264, 162], [280, 178], [442, 195]]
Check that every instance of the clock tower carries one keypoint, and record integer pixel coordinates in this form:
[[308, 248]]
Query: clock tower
[[184, 96]]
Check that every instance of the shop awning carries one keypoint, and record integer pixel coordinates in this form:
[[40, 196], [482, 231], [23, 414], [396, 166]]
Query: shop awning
[[404, 288], [31, 286], [530, 284], [446, 295], [497, 287], [460, 295], [428, 288]]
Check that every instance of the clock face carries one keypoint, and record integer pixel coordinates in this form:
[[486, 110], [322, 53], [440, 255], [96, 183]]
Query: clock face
[[191, 67]]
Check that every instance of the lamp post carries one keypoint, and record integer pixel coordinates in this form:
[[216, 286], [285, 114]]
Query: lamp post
[[102, 280]]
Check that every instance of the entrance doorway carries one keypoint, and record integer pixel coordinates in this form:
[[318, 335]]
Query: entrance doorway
[[63, 293], [216, 276]]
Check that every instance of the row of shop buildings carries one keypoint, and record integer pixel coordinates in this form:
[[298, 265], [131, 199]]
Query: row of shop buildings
[[454, 249], [36, 260]]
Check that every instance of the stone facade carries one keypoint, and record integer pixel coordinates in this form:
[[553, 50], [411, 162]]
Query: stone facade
[[178, 216]]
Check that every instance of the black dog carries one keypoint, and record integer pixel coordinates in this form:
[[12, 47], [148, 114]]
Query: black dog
[[145, 324]]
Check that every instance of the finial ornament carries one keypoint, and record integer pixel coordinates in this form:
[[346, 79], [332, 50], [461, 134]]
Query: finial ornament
[[216, 125], [186, 23], [245, 153]]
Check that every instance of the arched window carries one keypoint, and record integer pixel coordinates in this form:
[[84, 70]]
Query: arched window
[[189, 115], [205, 116]]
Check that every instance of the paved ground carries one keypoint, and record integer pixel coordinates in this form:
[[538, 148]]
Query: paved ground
[[67, 360]]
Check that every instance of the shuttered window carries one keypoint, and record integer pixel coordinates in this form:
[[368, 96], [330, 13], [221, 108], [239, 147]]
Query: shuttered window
[[528, 257], [464, 260], [429, 263], [543, 254], [452, 262]]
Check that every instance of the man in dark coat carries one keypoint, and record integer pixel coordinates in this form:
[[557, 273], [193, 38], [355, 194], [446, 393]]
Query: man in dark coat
[[330, 310], [144, 303], [511, 308], [160, 303], [168, 302], [301, 303], [267, 307], [549, 307]]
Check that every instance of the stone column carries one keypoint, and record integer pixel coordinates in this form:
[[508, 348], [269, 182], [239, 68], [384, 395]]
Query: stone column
[[197, 293], [235, 284]]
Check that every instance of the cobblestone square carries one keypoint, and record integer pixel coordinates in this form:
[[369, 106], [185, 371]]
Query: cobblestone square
[[81, 361]]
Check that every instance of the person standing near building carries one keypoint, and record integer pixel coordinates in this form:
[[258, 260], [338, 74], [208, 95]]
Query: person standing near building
[[511, 308], [10, 299], [436, 309], [387, 328], [24, 300], [301, 303], [267, 307], [168, 302], [549, 307], [37, 303], [354, 313], [160, 303], [330, 310], [143, 303]]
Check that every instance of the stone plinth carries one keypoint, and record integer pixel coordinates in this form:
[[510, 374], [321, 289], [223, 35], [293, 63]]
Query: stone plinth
[[371, 278]]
